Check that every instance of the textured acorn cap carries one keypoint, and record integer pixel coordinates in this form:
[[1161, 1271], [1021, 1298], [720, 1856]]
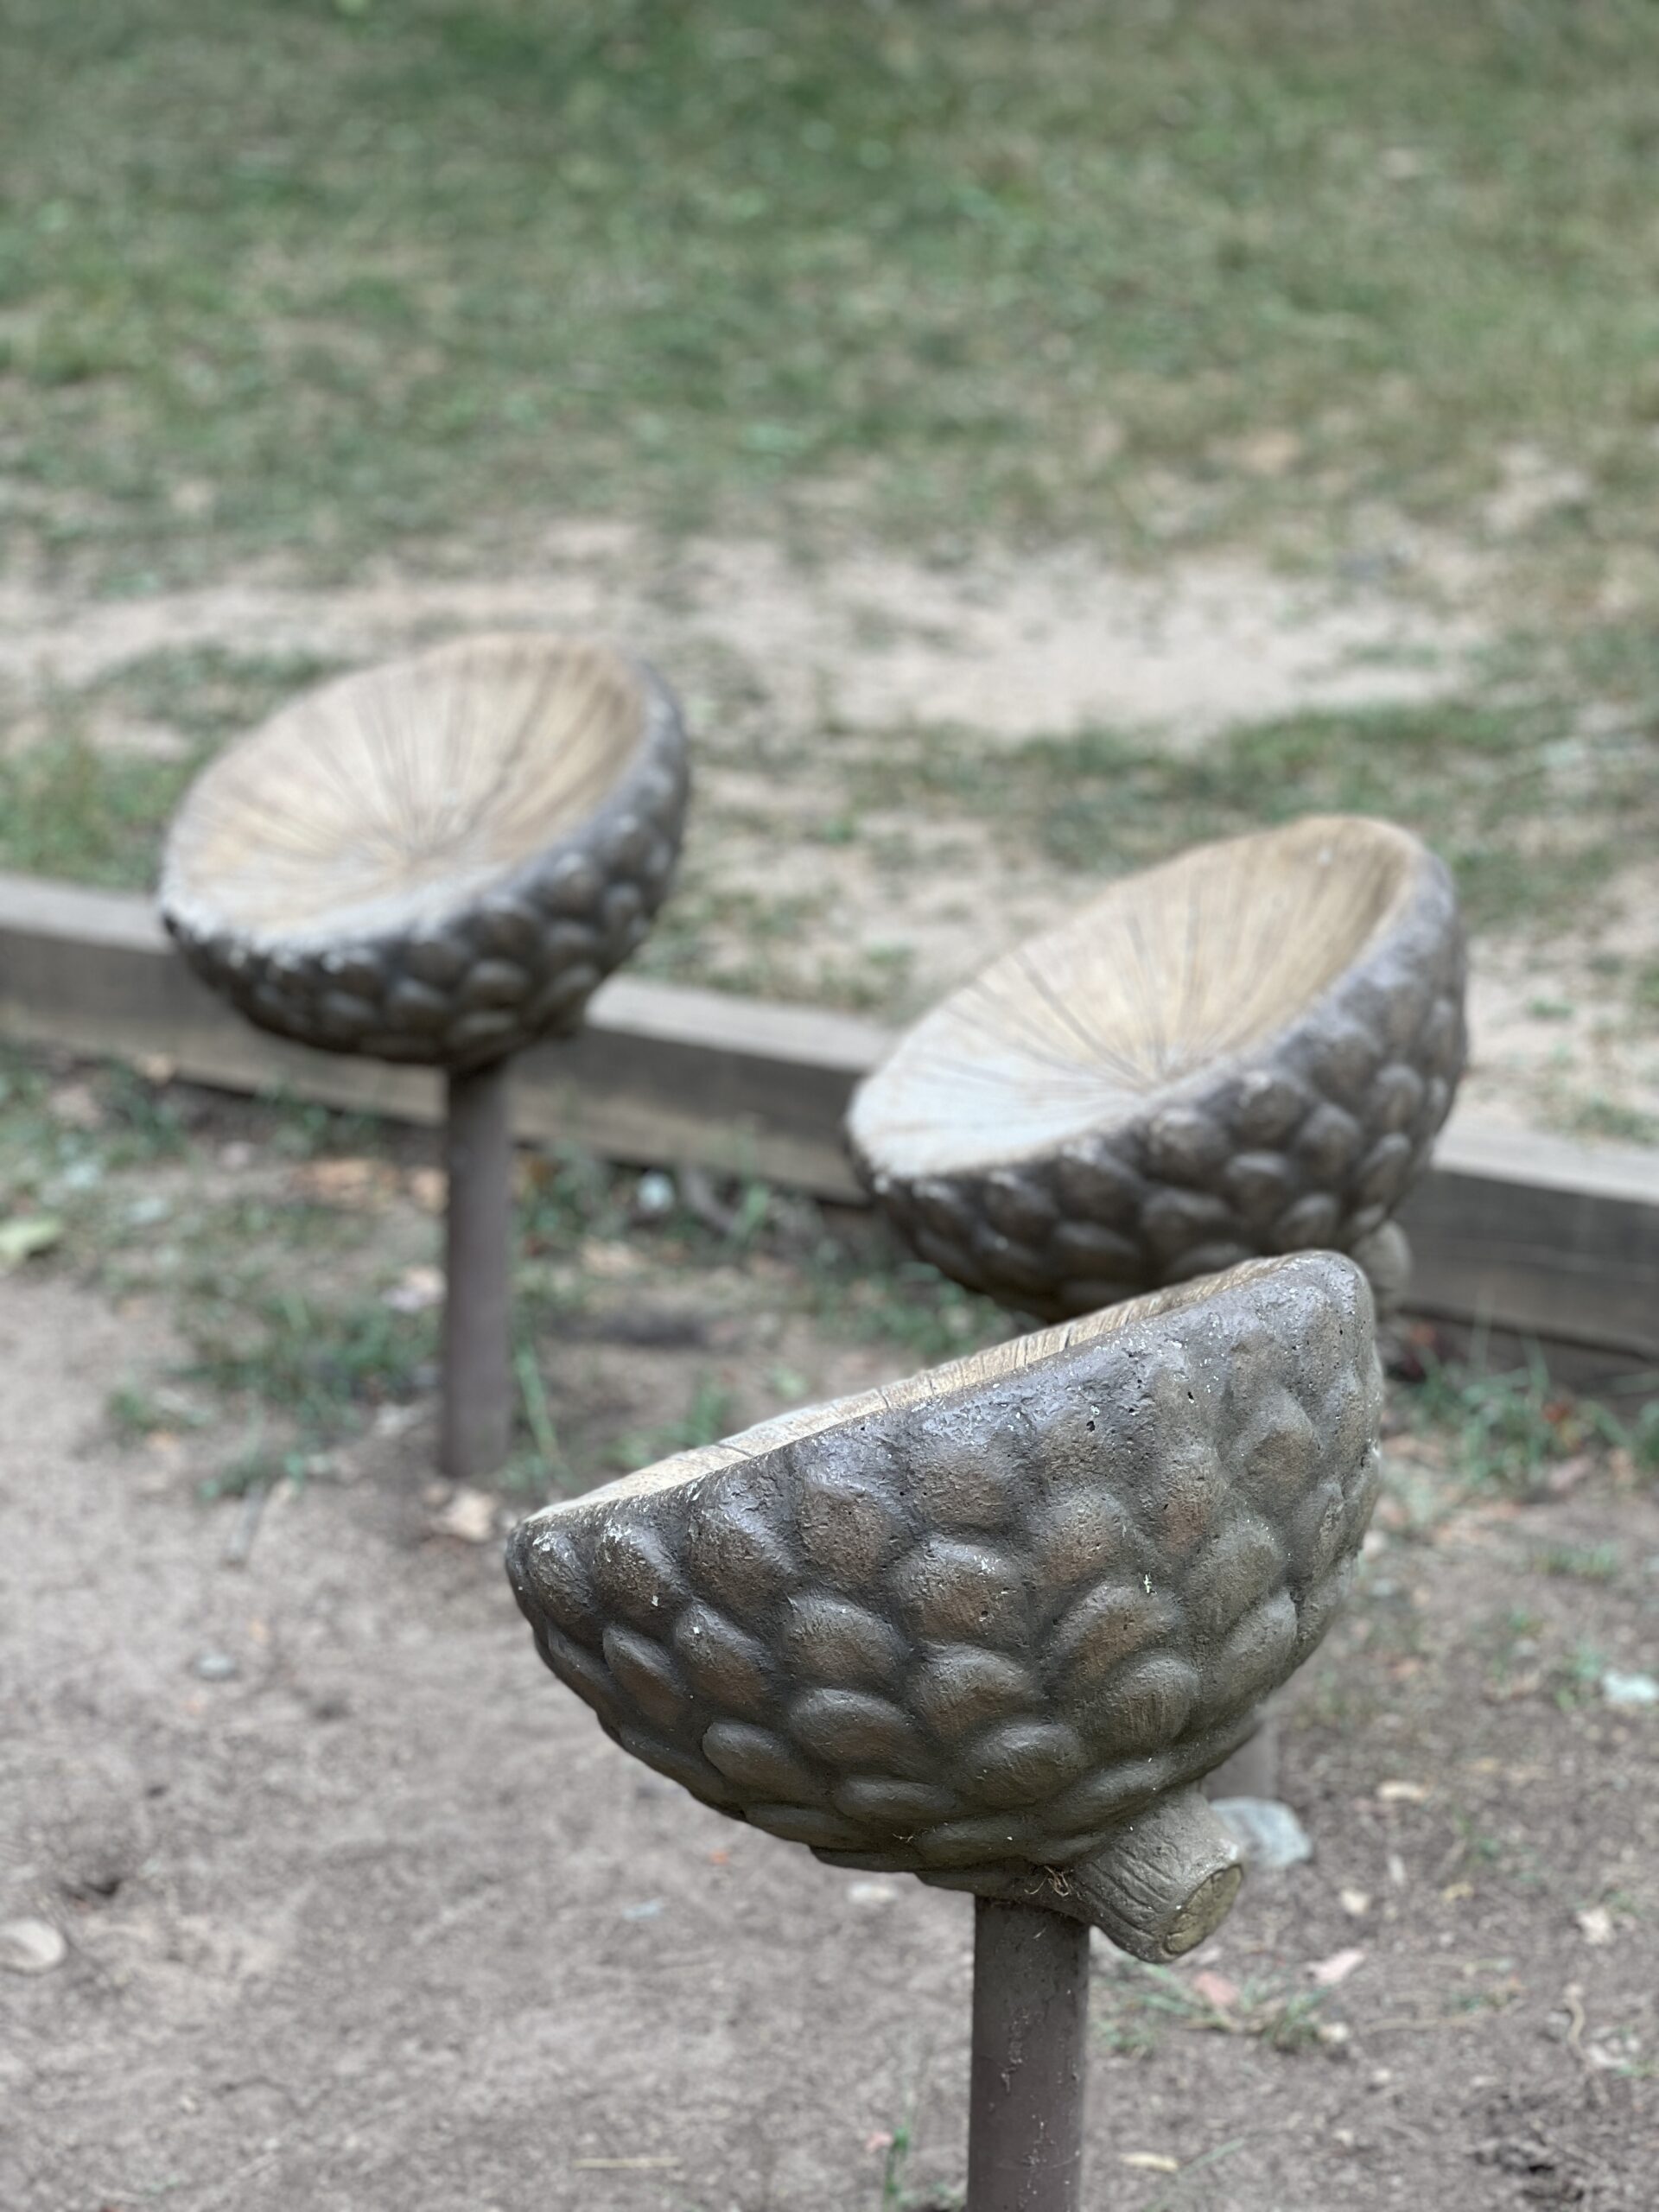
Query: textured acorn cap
[[1248, 1050], [438, 859], [987, 1614]]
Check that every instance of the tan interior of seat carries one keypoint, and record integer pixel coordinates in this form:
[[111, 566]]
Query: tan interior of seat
[[393, 796], [1167, 974]]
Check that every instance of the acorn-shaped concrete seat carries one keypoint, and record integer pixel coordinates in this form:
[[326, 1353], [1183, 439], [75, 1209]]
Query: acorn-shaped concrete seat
[[989, 1625], [438, 860], [1248, 1050]]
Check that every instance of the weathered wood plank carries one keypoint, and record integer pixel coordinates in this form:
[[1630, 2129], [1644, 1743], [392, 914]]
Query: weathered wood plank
[[1540, 1236], [1523, 1233], [659, 1073]]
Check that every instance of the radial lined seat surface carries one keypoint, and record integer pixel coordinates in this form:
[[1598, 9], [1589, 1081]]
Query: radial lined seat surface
[[1248, 1050], [437, 860], [987, 1614]]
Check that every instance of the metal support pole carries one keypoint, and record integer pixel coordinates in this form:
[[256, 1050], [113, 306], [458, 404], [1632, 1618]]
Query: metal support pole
[[1031, 2019], [477, 1382]]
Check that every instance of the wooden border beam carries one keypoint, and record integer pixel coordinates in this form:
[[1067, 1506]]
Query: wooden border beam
[[659, 1074]]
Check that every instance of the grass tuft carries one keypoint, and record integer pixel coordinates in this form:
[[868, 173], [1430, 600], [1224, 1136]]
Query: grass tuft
[[361, 273], [1134, 2004], [312, 1362], [1506, 1432]]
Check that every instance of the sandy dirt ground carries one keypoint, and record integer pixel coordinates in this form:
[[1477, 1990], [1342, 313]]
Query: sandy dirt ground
[[1008, 647], [362, 1911]]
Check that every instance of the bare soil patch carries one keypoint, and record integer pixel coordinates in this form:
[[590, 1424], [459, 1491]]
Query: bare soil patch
[[362, 1911], [1003, 647]]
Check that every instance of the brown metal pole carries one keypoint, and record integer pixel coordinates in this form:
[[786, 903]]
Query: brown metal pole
[[1031, 2021], [476, 1392]]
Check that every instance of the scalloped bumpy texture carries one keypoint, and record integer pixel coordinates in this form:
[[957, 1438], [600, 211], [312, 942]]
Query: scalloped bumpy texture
[[986, 1615], [1247, 1050], [437, 861]]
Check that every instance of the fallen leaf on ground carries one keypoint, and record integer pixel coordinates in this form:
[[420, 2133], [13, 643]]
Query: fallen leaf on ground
[[429, 1188], [416, 1290], [29, 1234], [1149, 2162], [1404, 1793], [599, 1258], [1215, 1989], [358, 1186], [1595, 1925], [1328, 1972], [1264, 453], [76, 1108], [469, 1518], [1518, 1687], [1569, 1474]]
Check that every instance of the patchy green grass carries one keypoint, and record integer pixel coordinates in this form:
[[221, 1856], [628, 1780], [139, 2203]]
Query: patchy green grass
[[68, 810], [61, 1138], [1580, 1562], [1574, 1680], [274, 1257], [73, 803], [1135, 2005], [1510, 1431], [1537, 819], [1533, 821], [732, 938], [310, 275], [279, 1242], [706, 1419], [207, 692], [319, 1362], [898, 1301], [899, 2194], [291, 285], [1608, 1118]]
